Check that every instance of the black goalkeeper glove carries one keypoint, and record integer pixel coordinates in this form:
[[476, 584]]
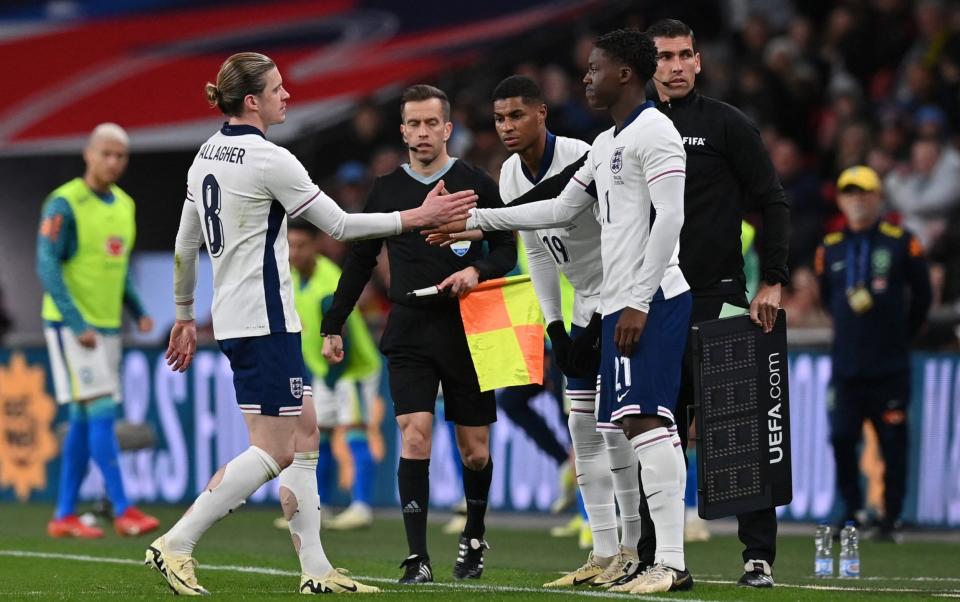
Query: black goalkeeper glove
[[584, 356]]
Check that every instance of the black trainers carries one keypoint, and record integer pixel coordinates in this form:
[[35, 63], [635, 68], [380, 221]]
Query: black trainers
[[757, 573], [416, 569], [470, 558]]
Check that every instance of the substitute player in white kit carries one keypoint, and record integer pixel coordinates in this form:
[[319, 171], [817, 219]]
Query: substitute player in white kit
[[637, 170], [240, 190], [605, 462]]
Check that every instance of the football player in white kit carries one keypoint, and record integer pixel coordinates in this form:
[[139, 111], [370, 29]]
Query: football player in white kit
[[636, 170], [605, 462], [240, 190]]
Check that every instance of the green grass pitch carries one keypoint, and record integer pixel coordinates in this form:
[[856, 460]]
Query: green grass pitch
[[245, 558]]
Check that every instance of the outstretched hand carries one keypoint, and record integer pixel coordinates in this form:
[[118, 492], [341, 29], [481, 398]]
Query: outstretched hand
[[437, 238], [182, 346], [452, 227], [441, 207]]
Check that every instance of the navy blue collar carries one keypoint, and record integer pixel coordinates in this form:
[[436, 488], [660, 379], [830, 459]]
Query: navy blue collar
[[239, 130], [545, 161], [633, 116]]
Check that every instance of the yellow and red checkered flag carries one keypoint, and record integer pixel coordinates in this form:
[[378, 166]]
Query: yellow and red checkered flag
[[504, 327]]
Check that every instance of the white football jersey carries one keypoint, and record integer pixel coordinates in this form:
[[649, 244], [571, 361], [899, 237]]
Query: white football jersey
[[244, 187], [573, 249], [622, 166]]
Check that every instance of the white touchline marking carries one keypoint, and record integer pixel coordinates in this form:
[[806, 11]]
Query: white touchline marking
[[284, 573], [838, 588], [492, 588]]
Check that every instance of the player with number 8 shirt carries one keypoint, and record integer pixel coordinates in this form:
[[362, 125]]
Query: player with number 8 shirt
[[240, 190]]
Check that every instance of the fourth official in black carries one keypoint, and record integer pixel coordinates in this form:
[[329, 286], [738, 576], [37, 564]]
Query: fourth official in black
[[729, 173]]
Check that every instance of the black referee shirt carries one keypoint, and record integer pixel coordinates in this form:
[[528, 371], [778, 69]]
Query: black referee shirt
[[729, 173], [415, 264]]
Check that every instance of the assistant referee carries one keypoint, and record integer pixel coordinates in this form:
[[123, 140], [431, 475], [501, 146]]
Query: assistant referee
[[729, 172], [424, 340]]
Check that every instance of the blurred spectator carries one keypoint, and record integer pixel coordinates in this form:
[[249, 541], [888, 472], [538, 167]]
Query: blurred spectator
[[385, 160], [753, 38], [943, 334], [842, 110], [846, 48], [893, 137], [758, 95], [358, 138], [802, 302], [931, 34], [797, 81], [918, 87], [351, 186], [930, 122], [851, 148], [569, 114], [461, 140], [927, 190], [807, 208], [757, 14]]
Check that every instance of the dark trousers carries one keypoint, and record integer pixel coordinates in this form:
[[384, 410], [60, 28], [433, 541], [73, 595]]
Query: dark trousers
[[884, 402], [757, 529]]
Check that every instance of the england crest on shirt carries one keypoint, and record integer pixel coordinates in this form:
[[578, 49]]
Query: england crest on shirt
[[296, 387], [616, 161]]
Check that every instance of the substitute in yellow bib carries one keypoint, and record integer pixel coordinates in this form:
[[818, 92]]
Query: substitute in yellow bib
[[87, 230]]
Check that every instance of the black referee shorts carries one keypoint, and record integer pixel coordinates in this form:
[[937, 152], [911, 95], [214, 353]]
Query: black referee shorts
[[426, 347]]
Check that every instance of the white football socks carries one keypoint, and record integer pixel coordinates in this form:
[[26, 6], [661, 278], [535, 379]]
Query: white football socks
[[681, 461], [301, 508], [241, 477], [626, 486], [661, 484], [594, 479]]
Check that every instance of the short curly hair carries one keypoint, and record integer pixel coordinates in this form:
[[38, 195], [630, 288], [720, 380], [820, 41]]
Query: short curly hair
[[633, 48], [519, 85]]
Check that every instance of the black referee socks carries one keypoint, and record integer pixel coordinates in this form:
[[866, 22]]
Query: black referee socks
[[476, 488], [413, 481]]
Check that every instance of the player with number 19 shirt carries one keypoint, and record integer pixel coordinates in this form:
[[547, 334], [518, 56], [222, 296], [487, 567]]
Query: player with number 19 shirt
[[638, 168], [572, 249]]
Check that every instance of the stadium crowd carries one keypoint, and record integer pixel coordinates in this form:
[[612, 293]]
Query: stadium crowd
[[830, 85]]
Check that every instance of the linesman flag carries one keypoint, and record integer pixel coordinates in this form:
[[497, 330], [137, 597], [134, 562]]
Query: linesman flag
[[504, 329]]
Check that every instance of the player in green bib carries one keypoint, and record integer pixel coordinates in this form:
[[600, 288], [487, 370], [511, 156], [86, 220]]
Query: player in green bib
[[345, 393], [87, 230]]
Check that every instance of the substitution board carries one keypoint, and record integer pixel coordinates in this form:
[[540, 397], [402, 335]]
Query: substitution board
[[742, 416]]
